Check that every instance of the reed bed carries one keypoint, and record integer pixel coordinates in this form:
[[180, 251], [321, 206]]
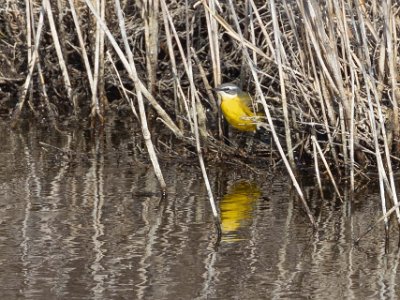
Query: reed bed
[[324, 73]]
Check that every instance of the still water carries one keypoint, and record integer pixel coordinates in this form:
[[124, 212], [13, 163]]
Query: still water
[[86, 220]]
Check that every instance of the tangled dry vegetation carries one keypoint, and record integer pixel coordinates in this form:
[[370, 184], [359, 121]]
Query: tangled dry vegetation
[[325, 73]]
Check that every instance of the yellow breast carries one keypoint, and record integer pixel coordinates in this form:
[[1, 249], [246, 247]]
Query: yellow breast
[[238, 114]]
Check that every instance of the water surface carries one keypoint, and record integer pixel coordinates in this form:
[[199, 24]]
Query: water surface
[[91, 224]]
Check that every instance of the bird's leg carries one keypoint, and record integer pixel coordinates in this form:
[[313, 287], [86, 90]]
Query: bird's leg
[[263, 136], [249, 143]]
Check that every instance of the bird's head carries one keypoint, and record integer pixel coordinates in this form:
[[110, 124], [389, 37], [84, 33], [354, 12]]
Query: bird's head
[[228, 90]]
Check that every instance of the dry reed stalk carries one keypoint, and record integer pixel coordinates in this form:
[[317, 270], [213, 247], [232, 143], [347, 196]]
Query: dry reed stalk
[[328, 169], [344, 30], [150, 11], [392, 62], [316, 165], [60, 14], [125, 91], [250, 22], [203, 169], [198, 114], [82, 45], [282, 77], [388, 161], [101, 92], [139, 88], [208, 88], [325, 121], [31, 23], [179, 96], [213, 37], [169, 24], [352, 133], [195, 101], [50, 111], [212, 30], [343, 133], [32, 64], [98, 68], [326, 97], [381, 169], [28, 14], [243, 76], [61, 61]]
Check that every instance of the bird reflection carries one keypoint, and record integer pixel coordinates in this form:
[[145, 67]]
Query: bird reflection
[[236, 208]]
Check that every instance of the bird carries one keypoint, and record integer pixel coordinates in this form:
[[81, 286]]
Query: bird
[[235, 106]]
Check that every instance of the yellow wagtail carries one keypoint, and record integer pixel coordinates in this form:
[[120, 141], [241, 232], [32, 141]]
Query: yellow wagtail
[[235, 105]]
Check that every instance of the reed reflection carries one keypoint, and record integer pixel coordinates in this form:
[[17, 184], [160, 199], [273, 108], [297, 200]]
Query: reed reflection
[[236, 208]]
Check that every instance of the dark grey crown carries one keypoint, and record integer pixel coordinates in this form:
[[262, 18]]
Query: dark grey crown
[[228, 88]]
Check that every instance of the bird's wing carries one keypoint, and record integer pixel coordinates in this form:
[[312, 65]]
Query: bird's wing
[[246, 98], [246, 104]]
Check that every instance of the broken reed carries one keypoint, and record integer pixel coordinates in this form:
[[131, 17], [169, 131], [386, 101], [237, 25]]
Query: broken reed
[[325, 73]]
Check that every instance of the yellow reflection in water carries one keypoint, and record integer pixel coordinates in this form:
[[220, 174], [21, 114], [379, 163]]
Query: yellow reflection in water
[[236, 208]]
